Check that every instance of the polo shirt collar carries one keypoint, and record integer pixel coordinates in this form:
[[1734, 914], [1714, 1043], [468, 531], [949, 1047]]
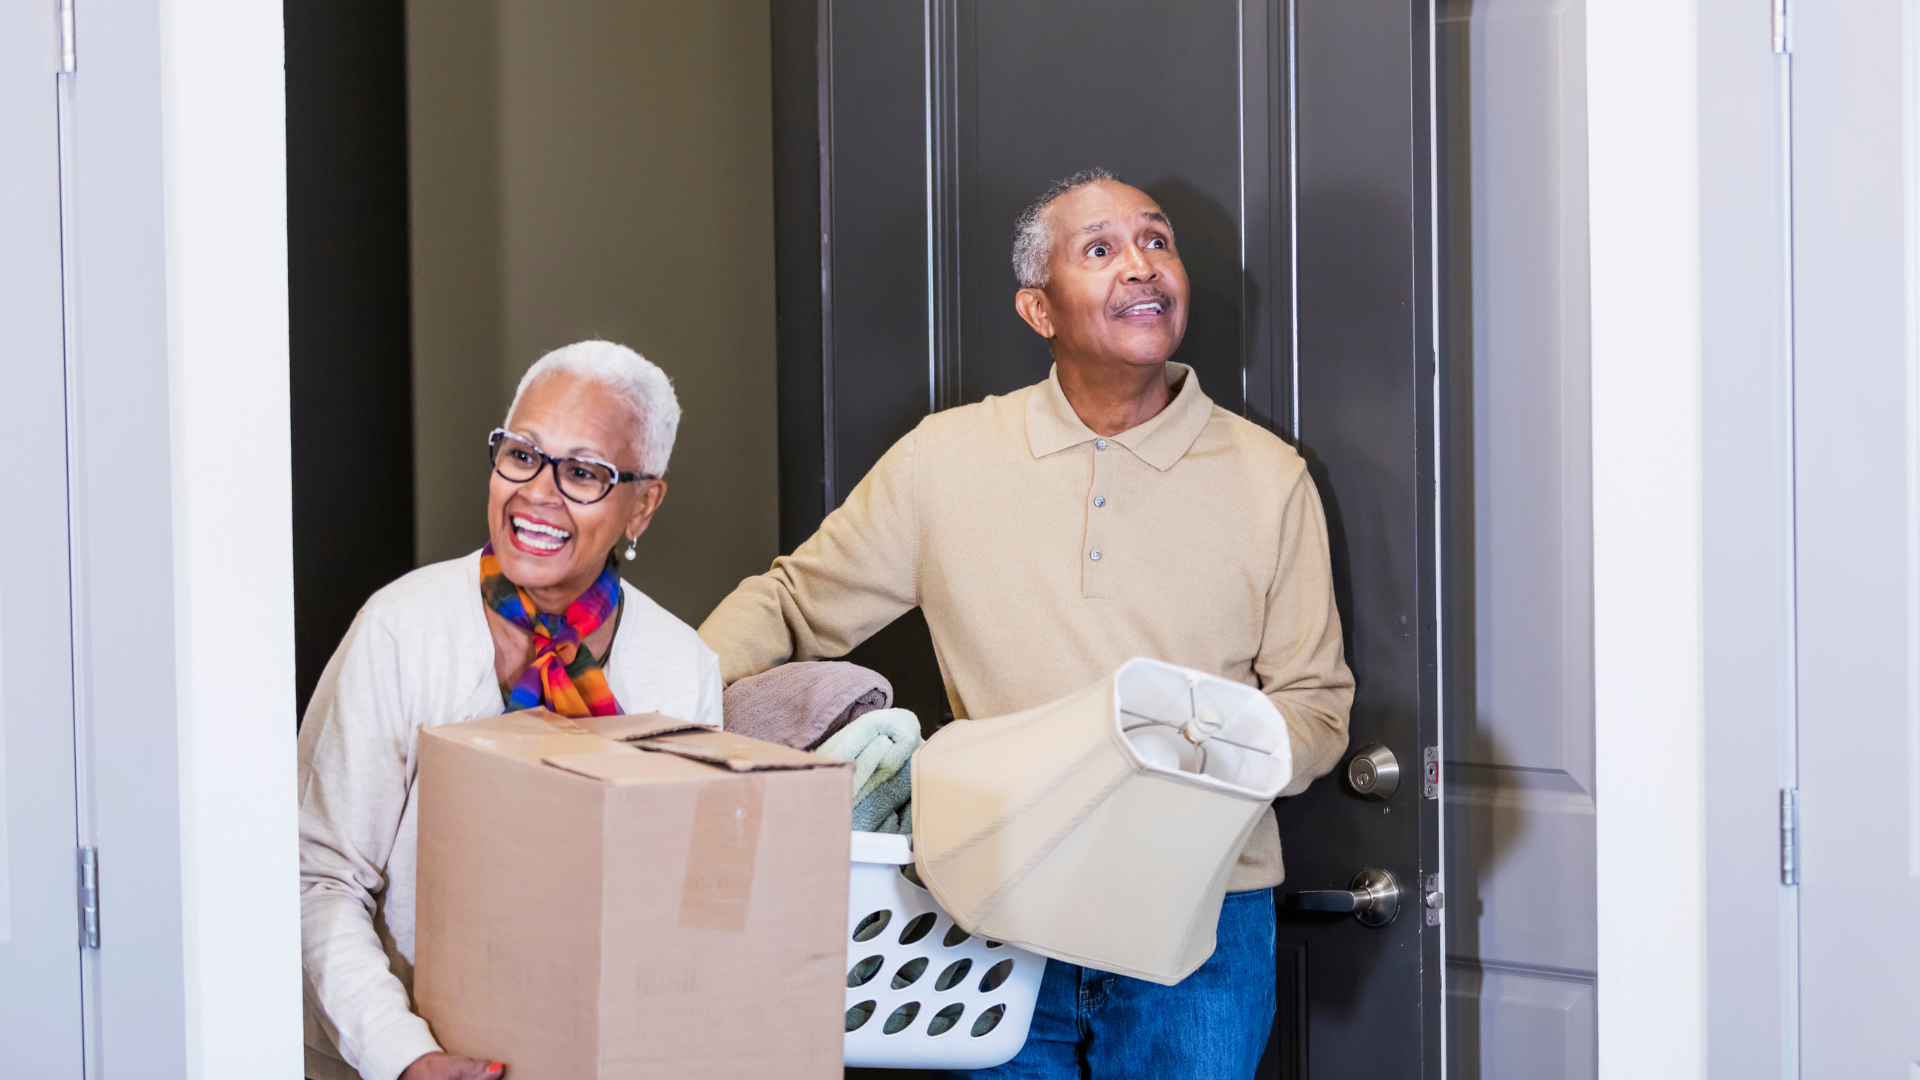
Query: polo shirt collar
[[1052, 425]]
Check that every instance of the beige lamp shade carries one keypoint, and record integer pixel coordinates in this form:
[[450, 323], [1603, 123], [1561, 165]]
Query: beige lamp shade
[[1099, 829]]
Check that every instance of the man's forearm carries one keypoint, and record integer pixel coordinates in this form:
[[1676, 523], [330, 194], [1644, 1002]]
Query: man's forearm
[[748, 631], [1318, 733], [854, 576]]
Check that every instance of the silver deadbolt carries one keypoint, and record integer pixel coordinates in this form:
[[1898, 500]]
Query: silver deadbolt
[[1374, 898], [1374, 772]]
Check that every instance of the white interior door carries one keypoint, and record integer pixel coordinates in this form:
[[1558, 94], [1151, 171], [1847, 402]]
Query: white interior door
[[1521, 932], [1856, 182], [40, 1019]]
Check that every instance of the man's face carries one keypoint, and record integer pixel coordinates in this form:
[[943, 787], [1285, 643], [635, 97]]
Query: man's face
[[1116, 291]]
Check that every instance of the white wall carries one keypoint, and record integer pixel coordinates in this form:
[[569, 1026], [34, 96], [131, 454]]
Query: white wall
[[224, 146], [1692, 538], [1647, 522]]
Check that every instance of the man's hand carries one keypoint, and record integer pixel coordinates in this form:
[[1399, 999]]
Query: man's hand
[[438, 1066]]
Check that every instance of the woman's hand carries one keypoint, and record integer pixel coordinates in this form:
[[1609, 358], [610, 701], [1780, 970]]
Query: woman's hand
[[438, 1066]]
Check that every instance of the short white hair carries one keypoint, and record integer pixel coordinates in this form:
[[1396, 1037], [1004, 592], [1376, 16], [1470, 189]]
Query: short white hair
[[636, 381], [1033, 235]]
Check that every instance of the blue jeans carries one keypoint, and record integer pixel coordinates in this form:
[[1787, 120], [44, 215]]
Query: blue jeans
[[1213, 1025]]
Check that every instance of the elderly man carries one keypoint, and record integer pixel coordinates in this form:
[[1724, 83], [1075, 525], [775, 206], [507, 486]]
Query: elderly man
[[1049, 535]]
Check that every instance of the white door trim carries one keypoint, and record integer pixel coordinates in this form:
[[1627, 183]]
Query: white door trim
[[177, 365], [1649, 693]]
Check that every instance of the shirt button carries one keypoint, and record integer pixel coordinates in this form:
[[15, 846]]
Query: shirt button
[[1094, 555], [1099, 500], [1099, 444]]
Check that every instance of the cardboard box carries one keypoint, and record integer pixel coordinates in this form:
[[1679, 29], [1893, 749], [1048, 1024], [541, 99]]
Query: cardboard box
[[624, 897]]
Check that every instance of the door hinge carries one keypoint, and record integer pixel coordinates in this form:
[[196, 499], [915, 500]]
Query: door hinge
[[65, 13], [89, 898], [1789, 836], [1779, 20], [1430, 773]]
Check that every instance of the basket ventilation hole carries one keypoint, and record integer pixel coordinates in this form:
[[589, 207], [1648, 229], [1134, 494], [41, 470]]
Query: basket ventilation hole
[[993, 944], [945, 1019], [908, 973], [871, 926], [917, 928], [995, 975], [951, 977], [901, 1017], [955, 936], [860, 1014], [988, 1020], [863, 971]]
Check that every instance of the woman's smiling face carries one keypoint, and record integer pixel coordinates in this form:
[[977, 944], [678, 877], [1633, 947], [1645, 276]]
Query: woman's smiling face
[[548, 544]]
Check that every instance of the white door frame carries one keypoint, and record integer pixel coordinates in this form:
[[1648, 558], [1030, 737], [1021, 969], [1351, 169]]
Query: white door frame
[[174, 159], [1692, 537]]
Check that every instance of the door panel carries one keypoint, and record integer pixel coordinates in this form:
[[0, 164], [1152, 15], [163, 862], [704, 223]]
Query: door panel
[[1856, 295], [877, 305], [908, 138], [1519, 1025], [39, 927], [1521, 936]]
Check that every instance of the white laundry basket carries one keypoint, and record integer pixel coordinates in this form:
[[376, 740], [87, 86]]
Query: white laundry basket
[[921, 993]]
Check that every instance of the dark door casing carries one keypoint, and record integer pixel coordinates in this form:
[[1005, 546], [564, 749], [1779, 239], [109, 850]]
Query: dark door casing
[[1289, 142], [349, 312]]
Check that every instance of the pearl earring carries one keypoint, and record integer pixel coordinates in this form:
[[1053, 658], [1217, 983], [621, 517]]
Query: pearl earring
[[632, 542]]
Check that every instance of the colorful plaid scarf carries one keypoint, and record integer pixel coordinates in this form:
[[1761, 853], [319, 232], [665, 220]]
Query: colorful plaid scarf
[[564, 675]]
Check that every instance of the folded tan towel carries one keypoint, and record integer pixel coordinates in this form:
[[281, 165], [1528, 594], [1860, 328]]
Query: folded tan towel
[[802, 704]]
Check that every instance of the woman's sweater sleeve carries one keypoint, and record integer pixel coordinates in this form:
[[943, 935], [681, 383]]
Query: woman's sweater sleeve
[[711, 692], [356, 760]]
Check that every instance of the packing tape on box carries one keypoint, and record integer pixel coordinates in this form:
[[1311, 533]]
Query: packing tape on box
[[725, 842]]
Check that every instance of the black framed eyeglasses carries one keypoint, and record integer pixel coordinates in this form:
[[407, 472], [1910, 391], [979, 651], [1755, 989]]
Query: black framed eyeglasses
[[584, 480]]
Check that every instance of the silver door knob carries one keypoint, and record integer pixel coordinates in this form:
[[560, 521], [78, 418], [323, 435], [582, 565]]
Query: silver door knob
[[1374, 772], [1374, 898]]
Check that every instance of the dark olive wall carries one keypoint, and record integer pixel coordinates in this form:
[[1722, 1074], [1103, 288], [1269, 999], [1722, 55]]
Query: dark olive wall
[[474, 182], [599, 168], [348, 307]]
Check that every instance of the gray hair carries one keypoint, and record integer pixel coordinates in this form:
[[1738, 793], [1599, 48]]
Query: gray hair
[[1033, 232], [635, 380]]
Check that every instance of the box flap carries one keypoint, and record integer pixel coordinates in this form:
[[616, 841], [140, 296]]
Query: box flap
[[736, 752], [628, 728], [527, 736]]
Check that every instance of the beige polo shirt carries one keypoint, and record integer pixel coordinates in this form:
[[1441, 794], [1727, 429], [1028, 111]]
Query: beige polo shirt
[[1044, 556]]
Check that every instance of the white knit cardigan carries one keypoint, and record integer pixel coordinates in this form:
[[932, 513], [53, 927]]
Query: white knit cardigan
[[420, 654]]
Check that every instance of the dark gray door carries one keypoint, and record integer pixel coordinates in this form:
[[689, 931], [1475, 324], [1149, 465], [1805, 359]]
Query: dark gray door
[[40, 1032], [1289, 142]]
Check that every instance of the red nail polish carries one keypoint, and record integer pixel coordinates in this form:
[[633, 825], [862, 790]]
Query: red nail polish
[[501, 1065]]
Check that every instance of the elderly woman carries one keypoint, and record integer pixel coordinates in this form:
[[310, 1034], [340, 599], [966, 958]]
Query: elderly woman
[[537, 617]]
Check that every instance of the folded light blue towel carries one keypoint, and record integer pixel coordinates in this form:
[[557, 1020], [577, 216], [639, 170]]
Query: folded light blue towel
[[879, 744]]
